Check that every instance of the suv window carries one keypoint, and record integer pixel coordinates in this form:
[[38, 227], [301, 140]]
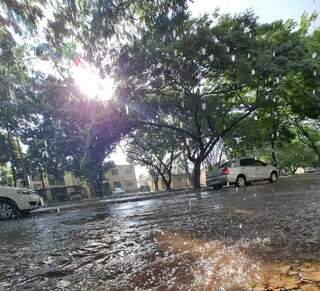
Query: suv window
[[227, 164], [259, 163], [247, 162]]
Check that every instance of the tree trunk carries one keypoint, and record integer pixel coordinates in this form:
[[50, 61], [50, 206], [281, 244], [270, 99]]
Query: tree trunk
[[318, 155], [155, 179], [23, 165], [186, 168], [196, 176], [166, 183], [14, 175], [13, 170], [42, 180], [156, 185], [273, 152]]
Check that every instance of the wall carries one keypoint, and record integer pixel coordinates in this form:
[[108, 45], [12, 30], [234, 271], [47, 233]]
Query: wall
[[122, 176]]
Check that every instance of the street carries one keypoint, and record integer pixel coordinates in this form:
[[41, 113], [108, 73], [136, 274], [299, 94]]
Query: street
[[257, 237]]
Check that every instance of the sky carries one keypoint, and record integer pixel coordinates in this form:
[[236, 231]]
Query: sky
[[266, 10]]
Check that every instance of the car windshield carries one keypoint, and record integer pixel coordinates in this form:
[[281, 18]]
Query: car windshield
[[160, 145]]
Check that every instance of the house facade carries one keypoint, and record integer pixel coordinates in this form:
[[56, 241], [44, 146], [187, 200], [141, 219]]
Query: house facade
[[121, 177], [179, 180], [69, 187]]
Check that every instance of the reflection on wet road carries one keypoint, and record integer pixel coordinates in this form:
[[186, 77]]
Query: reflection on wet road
[[258, 237]]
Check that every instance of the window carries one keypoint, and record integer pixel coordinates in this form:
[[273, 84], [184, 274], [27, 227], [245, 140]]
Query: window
[[117, 185], [259, 164], [228, 164], [114, 172], [247, 162]]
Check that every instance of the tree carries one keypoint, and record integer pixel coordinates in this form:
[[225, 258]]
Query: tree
[[202, 80], [308, 133], [296, 154], [157, 150], [14, 92]]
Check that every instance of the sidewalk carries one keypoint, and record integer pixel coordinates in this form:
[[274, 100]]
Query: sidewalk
[[99, 202]]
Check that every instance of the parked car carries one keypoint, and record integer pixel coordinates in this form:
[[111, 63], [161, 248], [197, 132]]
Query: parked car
[[17, 202], [240, 172], [118, 191]]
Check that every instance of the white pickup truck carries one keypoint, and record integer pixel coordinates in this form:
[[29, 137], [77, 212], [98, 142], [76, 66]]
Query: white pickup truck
[[18, 201]]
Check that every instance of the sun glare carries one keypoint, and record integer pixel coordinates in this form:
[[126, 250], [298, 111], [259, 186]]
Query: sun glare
[[90, 83]]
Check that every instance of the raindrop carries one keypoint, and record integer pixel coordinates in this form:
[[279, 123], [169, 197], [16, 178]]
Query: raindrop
[[204, 106], [45, 154], [255, 117], [164, 38], [314, 91], [250, 34], [127, 109], [314, 55], [240, 225], [228, 49], [216, 40], [278, 133], [233, 58], [273, 54], [255, 195], [174, 34], [180, 124], [211, 58], [182, 104], [203, 51], [314, 73], [181, 95], [175, 53], [277, 80], [249, 55], [253, 72]]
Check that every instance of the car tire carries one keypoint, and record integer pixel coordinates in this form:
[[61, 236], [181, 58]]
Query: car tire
[[241, 181], [8, 210], [273, 177]]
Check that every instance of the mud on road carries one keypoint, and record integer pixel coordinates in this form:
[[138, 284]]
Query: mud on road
[[258, 237]]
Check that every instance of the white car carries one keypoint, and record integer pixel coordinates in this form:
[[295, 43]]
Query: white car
[[118, 191], [17, 201], [240, 172]]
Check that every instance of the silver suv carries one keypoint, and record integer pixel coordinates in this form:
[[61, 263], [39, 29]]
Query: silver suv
[[240, 172]]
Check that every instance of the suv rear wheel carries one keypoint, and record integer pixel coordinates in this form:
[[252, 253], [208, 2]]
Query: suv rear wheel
[[241, 181], [7, 210]]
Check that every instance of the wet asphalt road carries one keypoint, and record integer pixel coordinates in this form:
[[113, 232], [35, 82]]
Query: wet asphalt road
[[228, 240]]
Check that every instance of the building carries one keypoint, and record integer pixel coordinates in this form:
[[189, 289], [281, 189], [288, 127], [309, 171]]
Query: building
[[179, 180], [62, 189], [121, 177]]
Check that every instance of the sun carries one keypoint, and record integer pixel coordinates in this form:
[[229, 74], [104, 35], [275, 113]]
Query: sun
[[90, 83]]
